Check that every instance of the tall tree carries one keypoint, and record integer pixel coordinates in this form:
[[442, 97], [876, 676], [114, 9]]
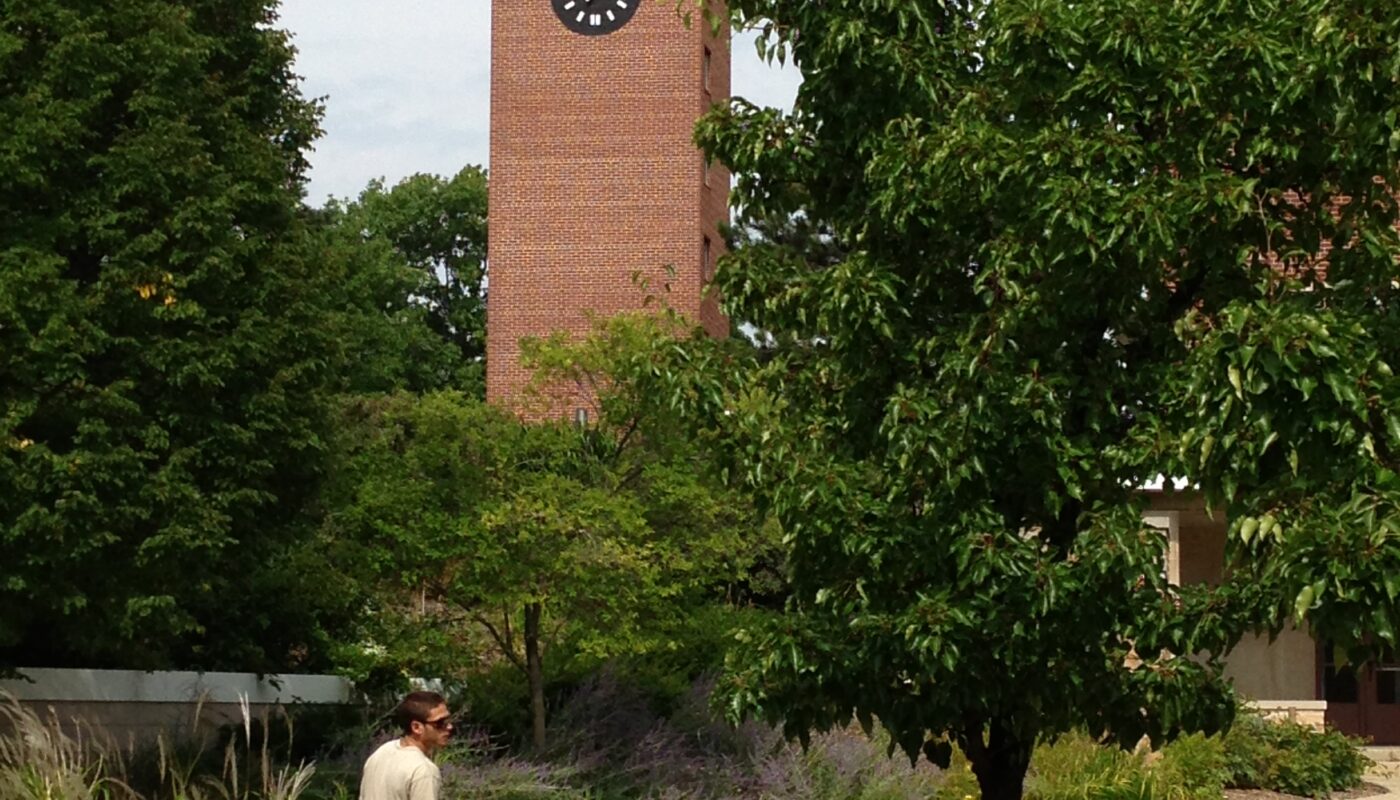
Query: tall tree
[[161, 337], [415, 258], [604, 537], [1080, 250]]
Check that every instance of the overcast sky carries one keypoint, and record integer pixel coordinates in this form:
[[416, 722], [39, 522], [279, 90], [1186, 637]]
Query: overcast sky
[[407, 86]]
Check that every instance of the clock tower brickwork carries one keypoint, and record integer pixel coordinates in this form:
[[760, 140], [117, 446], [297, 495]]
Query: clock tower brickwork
[[595, 176]]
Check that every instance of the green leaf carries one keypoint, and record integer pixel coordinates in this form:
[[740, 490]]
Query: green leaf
[[1248, 527], [1302, 604]]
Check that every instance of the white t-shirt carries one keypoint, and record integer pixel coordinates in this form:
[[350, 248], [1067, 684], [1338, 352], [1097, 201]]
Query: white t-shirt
[[398, 771]]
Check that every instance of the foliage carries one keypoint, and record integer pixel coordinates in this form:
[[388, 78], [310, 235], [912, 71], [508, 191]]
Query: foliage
[[1285, 756], [40, 760], [161, 345], [413, 290], [463, 504], [1075, 767], [1257, 753], [497, 702], [1195, 767], [1079, 252], [958, 781], [608, 741], [509, 778], [478, 524]]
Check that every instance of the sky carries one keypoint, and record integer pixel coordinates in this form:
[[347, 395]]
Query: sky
[[407, 86]]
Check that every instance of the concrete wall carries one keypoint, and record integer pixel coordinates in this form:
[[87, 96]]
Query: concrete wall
[[1281, 677], [135, 707], [1283, 670]]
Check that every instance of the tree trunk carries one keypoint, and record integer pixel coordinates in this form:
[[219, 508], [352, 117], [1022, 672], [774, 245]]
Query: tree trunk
[[534, 669], [1000, 763]]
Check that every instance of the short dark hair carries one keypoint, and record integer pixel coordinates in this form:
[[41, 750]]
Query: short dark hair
[[415, 707]]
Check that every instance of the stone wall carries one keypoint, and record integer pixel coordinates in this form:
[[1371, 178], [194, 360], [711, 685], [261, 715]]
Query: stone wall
[[1312, 713]]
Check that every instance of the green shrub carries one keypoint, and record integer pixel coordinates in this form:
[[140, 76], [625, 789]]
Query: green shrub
[[958, 781], [1256, 754], [1285, 756], [1075, 767], [1193, 768]]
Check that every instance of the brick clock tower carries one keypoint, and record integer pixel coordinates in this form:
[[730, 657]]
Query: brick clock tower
[[595, 177]]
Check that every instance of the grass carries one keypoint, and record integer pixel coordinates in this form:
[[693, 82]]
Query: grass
[[41, 759]]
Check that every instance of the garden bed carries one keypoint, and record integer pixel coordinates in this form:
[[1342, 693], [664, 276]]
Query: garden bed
[[1364, 790]]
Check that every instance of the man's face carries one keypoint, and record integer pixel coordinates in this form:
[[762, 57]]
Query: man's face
[[436, 730]]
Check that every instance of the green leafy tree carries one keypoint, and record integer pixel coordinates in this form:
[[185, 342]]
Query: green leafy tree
[[161, 345], [1080, 250], [414, 257], [603, 537]]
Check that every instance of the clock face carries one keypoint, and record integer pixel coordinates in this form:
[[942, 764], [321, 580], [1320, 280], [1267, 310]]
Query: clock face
[[594, 17]]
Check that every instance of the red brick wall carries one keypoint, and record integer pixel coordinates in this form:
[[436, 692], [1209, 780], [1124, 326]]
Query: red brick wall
[[594, 174]]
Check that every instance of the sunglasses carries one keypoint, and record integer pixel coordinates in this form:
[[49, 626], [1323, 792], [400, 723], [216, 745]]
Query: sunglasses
[[442, 723]]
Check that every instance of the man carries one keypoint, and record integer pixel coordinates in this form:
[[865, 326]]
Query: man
[[403, 768]]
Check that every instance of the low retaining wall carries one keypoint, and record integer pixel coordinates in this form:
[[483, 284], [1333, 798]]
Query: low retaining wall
[[135, 707], [1312, 713]]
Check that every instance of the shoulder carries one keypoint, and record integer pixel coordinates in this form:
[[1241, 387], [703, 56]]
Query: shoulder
[[412, 759], [424, 765], [385, 750]]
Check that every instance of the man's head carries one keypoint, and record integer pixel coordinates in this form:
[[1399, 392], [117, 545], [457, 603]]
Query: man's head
[[424, 720]]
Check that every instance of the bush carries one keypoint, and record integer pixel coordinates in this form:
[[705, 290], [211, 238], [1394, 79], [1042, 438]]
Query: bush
[[1075, 767], [473, 774], [1285, 756], [1194, 767], [609, 740], [40, 760], [958, 782], [1257, 753]]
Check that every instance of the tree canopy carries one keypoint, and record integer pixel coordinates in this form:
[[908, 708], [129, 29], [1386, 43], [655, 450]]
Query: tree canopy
[[161, 345], [414, 262], [1080, 248], [602, 538]]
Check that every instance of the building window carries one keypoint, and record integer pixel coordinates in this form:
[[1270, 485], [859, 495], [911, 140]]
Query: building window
[[707, 266], [705, 71], [1387, 672]]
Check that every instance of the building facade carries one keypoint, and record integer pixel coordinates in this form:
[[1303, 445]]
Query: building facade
[[599, 197], [1292, 675]]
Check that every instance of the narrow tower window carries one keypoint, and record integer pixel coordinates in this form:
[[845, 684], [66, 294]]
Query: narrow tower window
[[705, 70], [707, 267]]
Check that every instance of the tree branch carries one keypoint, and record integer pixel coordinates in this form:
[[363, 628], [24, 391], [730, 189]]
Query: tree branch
[[502, 641]]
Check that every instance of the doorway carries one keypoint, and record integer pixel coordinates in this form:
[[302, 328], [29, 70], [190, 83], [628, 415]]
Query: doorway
[[1362, 700]]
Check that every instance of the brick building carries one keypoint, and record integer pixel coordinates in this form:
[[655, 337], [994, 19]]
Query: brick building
[[598, 193]]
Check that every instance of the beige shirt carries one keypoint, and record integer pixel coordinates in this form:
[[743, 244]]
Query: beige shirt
[[398, 771]]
